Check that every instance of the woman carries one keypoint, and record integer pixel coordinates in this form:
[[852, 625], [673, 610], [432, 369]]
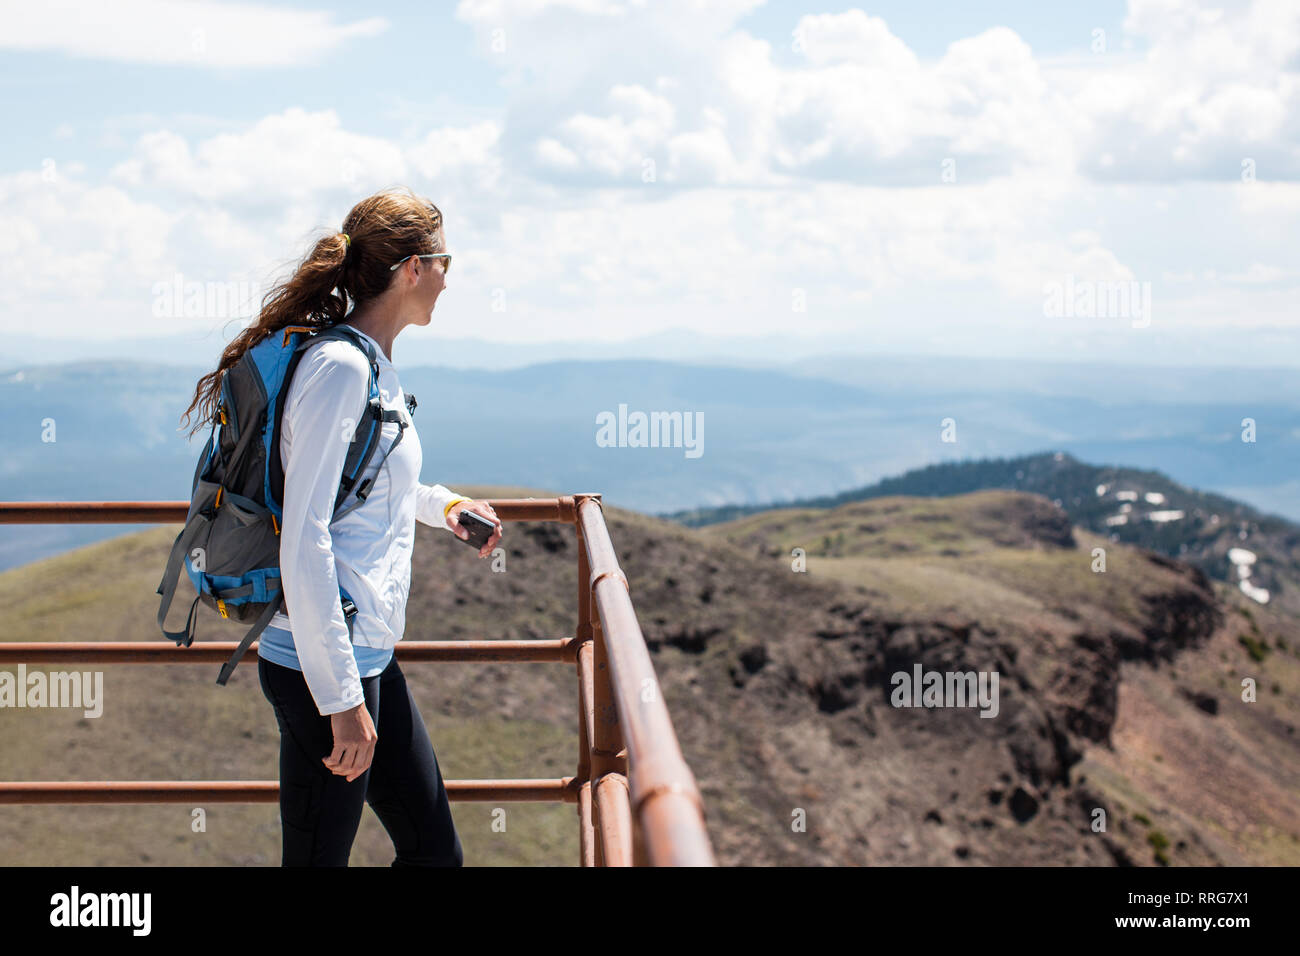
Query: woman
[[349, 729]]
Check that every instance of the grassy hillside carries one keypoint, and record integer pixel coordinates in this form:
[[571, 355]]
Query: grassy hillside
[[1129, 505], [778, 682], [175, 723]]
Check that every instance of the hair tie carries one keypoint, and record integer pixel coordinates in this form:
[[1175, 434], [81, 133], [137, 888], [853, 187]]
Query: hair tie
[[347, 240]]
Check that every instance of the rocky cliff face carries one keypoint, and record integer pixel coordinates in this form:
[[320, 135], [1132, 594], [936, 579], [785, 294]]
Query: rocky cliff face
[[809, 707]]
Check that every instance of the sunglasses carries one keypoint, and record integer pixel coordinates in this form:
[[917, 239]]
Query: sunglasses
[[427, 255]]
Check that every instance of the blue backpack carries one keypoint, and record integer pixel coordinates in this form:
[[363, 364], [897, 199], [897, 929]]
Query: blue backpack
[[230, 545]]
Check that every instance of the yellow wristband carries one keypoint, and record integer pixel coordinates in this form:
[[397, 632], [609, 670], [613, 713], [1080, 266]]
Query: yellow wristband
[[453, 503]]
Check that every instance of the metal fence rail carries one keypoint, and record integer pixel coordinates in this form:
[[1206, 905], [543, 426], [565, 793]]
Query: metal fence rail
[[636, 798]]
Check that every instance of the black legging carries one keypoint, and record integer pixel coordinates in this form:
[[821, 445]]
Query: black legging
[[320, 811]]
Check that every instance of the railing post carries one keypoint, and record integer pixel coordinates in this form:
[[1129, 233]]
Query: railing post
[[664, 800], [583, 635], [611, 818], [586, 827]]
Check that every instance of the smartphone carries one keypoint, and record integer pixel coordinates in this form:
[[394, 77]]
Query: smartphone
[[479, 528]]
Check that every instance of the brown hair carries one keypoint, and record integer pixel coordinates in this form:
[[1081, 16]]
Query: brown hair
[[339, 274]]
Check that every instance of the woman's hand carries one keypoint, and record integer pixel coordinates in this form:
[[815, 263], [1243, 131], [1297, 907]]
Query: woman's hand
[[484, 510], [354, 742]]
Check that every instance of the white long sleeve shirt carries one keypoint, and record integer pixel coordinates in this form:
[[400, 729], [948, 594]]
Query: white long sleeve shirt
[[368, 550]]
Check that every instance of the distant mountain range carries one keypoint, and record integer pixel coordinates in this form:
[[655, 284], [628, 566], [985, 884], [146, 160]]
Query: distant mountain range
[[812, 428], [1227, 539], [200, 346]]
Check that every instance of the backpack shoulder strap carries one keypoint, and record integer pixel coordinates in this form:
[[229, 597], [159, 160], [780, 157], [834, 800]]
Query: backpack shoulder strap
[[362, 445], [366, 438], [347, 334]]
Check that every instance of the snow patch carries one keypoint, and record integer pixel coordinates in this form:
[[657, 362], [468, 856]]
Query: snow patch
[[1241, 556], [1244, 561]]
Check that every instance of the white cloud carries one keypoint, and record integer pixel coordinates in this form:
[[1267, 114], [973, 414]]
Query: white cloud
[[614, 145], [240, 204], [63, 240], [1216, 85], [703, 156], [852, 36], [1259, 273], [201, 33], [831, 158], [299, 156], [469, 152], [1213, 87]]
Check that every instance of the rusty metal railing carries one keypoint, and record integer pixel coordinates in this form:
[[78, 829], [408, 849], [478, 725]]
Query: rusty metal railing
[[636, 799]]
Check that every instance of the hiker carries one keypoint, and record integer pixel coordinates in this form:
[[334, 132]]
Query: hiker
[[349, 728]]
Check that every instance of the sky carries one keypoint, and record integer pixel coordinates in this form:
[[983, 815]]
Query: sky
[[1116, 181]]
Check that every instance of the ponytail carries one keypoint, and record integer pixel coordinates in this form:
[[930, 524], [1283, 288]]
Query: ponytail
[[341, 271]]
